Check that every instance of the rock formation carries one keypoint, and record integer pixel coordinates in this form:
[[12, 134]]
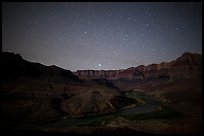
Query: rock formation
[[187, 66], [32, 91]]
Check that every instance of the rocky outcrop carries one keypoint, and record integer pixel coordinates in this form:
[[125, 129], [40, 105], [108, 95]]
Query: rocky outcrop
[[97, 101], [32, 92], [188, 65], [89, 103]]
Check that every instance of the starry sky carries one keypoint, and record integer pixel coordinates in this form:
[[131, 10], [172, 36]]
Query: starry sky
[[78, 36]]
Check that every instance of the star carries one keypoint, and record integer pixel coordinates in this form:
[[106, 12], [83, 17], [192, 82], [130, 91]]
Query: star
[[104, 33], [153, 50]]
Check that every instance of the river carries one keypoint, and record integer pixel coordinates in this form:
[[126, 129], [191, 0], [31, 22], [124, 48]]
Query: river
[[150, 105]]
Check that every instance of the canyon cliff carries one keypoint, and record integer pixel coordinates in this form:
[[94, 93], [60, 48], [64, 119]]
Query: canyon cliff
[[188, 65]]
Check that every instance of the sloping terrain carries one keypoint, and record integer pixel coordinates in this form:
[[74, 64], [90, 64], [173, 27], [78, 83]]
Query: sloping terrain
[[184, 96], [34, 92], [178, 83]]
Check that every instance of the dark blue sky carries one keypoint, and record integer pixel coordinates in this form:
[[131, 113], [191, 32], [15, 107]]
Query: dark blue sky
[[101, 35]]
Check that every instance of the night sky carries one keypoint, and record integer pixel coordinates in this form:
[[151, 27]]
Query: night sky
[[101, 35]]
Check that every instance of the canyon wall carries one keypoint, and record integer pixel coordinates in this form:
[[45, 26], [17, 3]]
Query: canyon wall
[[187, 66]]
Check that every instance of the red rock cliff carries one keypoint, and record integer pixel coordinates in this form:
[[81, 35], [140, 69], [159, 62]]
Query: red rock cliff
[[187, 65]]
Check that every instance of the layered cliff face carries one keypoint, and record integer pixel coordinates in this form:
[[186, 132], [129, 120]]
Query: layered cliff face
[[109, 74], [188, 65]]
